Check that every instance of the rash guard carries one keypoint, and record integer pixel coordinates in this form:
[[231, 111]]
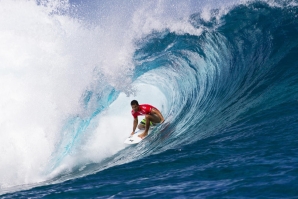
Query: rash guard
[[143, 110]]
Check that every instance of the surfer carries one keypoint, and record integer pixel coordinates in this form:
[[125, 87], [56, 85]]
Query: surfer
[[152, 116]]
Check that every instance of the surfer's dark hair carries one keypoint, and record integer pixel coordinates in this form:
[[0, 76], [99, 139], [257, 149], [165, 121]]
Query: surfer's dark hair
[[134, 102]]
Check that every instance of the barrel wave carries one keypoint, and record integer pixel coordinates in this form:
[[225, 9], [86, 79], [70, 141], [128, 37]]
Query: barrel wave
[[228, 88], [239, 68]]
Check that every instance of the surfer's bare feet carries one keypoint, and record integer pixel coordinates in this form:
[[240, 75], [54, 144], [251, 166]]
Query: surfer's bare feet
[[143, 135]]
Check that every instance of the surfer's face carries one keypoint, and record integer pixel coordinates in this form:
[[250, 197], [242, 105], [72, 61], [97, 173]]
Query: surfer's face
[[135, 107]]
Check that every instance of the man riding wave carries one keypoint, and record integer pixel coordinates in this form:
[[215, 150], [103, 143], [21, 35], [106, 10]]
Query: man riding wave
[[152, 117]]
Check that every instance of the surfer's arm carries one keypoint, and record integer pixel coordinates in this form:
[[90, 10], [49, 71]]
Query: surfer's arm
[[157, 112], [135, 123]]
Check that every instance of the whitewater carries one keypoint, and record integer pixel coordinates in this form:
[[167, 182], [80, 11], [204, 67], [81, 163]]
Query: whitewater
[[223, 73]]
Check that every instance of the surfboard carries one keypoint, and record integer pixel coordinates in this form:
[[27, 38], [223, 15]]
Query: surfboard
[[135, 139]]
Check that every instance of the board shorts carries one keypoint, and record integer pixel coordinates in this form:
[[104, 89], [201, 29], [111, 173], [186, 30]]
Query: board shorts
[[144, 122]]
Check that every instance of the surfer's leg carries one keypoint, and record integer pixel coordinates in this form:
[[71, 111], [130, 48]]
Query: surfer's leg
[[154, 118], [147, 125], [149, 118], [142, 126]]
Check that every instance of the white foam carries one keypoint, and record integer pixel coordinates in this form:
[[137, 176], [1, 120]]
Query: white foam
[[47, 62]]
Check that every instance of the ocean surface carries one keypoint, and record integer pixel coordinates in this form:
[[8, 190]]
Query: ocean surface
[[223, 73]]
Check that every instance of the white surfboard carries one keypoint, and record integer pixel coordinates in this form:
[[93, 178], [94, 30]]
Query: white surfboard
[[135, 139]]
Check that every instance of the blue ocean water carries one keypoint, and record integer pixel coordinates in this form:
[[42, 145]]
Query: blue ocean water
[[230, 82]]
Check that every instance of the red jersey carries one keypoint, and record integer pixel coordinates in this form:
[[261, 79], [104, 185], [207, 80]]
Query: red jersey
[[143, 110]]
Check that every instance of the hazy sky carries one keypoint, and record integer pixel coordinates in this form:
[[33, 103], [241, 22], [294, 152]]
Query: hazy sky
[[94, 10]]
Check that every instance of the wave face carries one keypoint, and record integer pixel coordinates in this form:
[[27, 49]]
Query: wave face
[[239, 68], [226, 81]]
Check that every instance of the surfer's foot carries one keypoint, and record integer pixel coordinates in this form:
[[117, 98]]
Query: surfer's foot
[[143, 135]]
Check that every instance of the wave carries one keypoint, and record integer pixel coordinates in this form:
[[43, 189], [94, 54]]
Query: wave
[[206, 73], [246, 65]]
